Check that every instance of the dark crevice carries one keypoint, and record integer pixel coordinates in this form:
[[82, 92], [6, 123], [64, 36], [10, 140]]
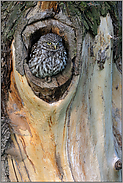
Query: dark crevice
[[14, 170], [59, 165], [73, 69], [19, 171]]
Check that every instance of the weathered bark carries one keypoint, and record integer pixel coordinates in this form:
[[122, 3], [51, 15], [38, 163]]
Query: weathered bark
[[70, 129]]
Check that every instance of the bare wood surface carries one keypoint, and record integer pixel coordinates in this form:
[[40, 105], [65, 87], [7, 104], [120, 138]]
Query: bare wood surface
[[63, 140], [44, 5]]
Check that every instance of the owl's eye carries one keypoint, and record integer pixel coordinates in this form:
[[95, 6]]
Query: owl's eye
[[48, 43], [60, 43]]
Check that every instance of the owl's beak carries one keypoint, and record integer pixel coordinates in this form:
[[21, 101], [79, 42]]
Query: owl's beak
[[55, 46]]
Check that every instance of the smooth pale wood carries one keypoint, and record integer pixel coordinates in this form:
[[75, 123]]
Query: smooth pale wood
[[72, 139], [90, 141]]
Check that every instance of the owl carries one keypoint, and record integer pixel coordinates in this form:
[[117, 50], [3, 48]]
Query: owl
[[48, 56]]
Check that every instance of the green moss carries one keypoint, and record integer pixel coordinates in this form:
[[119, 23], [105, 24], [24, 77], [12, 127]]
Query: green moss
[[85, 23], [89, 12], [105, 7], [11, 13], [83, 5]]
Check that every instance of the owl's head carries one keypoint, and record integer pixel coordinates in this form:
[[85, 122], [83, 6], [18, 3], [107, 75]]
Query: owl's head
[[51, 42]]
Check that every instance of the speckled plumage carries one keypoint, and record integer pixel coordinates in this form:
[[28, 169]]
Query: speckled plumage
[[48, 56]]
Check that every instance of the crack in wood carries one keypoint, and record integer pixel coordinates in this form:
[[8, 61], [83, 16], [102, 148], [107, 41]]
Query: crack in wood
[[24, 147], [22, 157], [19, 171], [14, 170], [67, 115], [58, 163]]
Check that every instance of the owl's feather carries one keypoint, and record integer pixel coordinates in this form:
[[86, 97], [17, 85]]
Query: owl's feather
[[47, 59]]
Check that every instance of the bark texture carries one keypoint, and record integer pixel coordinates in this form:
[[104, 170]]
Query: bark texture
[[78, 136]]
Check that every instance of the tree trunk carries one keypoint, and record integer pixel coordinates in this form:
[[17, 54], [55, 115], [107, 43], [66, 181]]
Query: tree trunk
[[68, 129]]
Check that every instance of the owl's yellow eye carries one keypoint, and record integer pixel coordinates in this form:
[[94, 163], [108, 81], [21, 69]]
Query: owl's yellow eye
[[49, 43]]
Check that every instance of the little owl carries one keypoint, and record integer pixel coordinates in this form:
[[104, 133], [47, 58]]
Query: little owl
[[48, 56]]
